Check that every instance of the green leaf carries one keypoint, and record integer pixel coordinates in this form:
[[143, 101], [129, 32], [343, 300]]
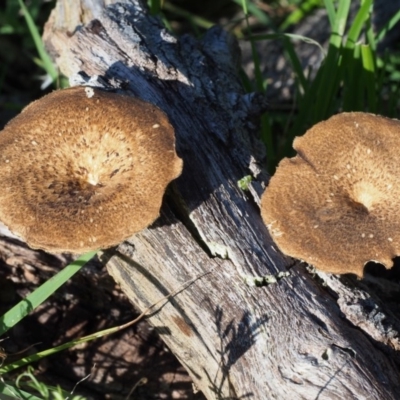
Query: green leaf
[[47, 62], [25, 306], [358, 24], [369, 76], [9, 392]]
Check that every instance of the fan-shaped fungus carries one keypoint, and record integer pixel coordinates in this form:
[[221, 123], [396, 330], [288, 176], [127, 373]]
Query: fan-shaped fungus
[[336, 204], [82, 169]]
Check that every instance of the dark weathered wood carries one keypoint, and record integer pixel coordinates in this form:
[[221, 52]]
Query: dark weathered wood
[[296, 339]]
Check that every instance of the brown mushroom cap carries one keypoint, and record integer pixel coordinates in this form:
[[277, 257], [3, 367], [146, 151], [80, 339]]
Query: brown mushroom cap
[[82, 169], [336, 204]]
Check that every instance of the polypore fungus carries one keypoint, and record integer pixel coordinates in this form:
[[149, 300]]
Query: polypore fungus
[[82, 169], [336, 204]]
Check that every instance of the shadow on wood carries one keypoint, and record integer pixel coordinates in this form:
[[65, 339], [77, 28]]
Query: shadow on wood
[[292, 339]]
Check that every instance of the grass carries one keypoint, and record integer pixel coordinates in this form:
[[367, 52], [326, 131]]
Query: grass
[[27, 387], [20, 311], [25, 68], [44, 59], [352, 77], [36, 298]]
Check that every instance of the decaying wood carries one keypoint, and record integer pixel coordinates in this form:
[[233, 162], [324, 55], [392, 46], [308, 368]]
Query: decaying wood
[[304, 337]]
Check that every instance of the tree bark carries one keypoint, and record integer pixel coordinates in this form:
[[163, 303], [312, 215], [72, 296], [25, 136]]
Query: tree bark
[[309, 335]]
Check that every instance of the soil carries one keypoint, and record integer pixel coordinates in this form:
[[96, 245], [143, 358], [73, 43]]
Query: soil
[[130, 364]]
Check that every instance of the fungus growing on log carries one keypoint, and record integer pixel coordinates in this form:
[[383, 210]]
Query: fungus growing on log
[[82, 169], [335, 204]]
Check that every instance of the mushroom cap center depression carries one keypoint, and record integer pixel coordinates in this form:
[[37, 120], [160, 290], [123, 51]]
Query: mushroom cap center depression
[[94, 168], [366, 194], [80, 172], [335, 205], [77, 171]]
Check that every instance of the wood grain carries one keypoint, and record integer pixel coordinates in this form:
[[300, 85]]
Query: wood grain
[[295, 339]]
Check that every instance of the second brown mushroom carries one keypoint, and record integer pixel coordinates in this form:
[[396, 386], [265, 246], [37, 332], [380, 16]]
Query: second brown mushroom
[[82, 169], [336, 204]]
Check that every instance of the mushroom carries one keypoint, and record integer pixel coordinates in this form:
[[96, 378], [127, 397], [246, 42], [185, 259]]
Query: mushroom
[[82, 169], [336, 204]]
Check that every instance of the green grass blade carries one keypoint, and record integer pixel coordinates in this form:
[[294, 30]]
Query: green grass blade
[[388, 26], [296, 65], [244, 7], [45, 353], [353, 93], [48, 64], [369, 76], [266, 133], [10, 392], [381, 63], [291, 53], [250, 8], [358, 24], [246, 81], [49, 352], [303, 9], [269, 36], [257, 68], [266, 137], [155, 6], [325, 92], [339, 25], [330, 69], [25, 306], [330, 9], [193, 19]]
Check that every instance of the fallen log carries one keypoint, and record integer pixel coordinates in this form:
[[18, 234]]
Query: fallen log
[[307, 336]]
